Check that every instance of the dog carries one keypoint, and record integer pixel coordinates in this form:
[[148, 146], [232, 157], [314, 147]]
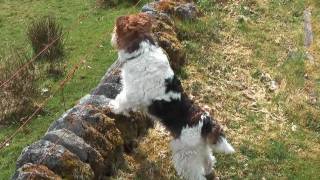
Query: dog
[[150, 86]]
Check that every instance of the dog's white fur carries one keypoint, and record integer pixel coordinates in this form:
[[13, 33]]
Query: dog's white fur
[[143, 79], [192, 156]]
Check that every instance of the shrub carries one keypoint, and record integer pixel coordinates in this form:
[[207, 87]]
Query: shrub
[[17, 98], [43, 32]]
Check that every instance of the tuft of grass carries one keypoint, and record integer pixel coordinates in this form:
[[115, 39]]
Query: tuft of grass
[[293, 70], [277, 151], [45, 32]]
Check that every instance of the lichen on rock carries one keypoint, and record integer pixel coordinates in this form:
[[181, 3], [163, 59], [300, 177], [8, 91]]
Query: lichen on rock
[[164, 32], [57, 158], [35, 171]]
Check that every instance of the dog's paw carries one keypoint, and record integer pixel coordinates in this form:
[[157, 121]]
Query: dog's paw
[[213, 160], [114, 106], [117, 109], [212, 176]]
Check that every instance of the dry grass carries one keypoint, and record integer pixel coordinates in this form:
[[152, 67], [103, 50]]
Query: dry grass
[[248, 67], [17, 97]]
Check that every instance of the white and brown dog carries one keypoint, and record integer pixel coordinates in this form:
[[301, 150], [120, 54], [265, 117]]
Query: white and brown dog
[[150, 86]]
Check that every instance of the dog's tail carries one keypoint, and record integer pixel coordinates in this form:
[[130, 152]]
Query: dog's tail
[[214, 135], [223, 146]]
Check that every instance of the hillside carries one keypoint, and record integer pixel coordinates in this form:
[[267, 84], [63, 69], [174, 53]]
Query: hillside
[[247, 65]]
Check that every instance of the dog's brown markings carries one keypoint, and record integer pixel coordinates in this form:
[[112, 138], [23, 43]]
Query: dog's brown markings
[[216, 132], [133, 29]]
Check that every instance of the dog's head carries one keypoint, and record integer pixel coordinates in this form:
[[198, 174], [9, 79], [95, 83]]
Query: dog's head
[[130, 30], [213, 134]]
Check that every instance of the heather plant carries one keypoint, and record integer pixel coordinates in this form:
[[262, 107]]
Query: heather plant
[[17, 96]]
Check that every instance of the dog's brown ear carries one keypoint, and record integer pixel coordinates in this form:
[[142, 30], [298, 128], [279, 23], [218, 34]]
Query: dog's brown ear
[[121, 23], [132, 29]]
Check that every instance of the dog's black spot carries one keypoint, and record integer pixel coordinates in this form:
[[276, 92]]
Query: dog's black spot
[[175, 114], [173, 84], [206, 126]]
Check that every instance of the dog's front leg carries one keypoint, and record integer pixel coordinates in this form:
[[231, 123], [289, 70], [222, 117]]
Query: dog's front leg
[[120, 104]]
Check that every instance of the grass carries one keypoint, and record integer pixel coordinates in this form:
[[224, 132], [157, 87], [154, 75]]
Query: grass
[[234, 51], [276, 133], [84, 37]]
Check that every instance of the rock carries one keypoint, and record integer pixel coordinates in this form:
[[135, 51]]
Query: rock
[[79, 147], [313, 98], [96, 100], [99, 131], [109, 90], [35, 171], [273, 85], [164, 33], [183, 10], [112, 3], [187, 11], [308, 39], [110, 84], [149, 8], [265, 77], [242, 19], [132, 128], [310, 57], [57, 158], [164, 29]]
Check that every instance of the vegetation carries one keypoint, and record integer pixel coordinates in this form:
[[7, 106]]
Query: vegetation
[[18, 98], [43, 33], [247, 65], [87, 39], [113, 3]]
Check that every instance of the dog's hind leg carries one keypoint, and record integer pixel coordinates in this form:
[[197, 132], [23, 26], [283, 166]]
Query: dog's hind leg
[[188, 162], [209, 162]]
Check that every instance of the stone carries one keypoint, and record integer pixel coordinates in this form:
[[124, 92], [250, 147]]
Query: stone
[[273, 85], [97, 130], [149, 8], [164, 33], [35, 171], [109, 90], [131, 128], [186, 11], [79, 147], [183, 10], [308, 39], [57, 158], [112, 3]]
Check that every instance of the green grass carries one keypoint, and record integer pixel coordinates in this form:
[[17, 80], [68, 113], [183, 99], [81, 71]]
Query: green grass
[[90, 35], [276, 134], [257, 38]]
